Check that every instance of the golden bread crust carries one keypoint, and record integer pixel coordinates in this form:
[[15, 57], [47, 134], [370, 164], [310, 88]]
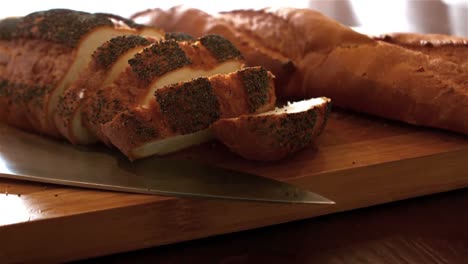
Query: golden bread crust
[[395, 83], [272, 136], [451, 48]]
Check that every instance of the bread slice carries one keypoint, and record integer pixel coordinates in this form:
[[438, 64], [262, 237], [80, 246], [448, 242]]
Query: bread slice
[[180, 115], [163, 63], [51, 48], [108, 61], [275, 134]]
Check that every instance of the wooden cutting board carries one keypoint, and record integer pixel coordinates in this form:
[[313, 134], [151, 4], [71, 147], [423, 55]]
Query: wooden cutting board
[[359, 161]]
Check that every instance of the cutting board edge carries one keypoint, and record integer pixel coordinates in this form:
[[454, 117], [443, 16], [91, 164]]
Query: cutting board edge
[[193, 216]]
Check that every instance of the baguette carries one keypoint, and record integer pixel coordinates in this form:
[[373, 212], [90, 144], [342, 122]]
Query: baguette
[[96, 77], [354, 70], [181, 114]]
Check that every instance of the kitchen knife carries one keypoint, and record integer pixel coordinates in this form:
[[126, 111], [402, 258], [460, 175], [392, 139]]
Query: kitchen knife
[[25, 156]]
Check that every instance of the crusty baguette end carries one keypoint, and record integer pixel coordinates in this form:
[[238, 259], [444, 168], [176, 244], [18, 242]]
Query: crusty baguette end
[[275, 134]]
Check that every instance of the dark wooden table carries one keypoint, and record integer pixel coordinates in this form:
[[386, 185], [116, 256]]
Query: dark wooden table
[[430, 229]]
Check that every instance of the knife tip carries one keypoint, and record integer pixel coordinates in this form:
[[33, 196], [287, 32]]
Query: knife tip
[[314, 198], [324, 202]]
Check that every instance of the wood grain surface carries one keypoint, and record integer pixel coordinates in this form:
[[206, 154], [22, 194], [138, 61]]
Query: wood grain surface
[[358, 162], [429, 229]]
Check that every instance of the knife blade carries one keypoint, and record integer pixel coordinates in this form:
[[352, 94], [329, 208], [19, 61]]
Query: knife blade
[[25, 156]]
